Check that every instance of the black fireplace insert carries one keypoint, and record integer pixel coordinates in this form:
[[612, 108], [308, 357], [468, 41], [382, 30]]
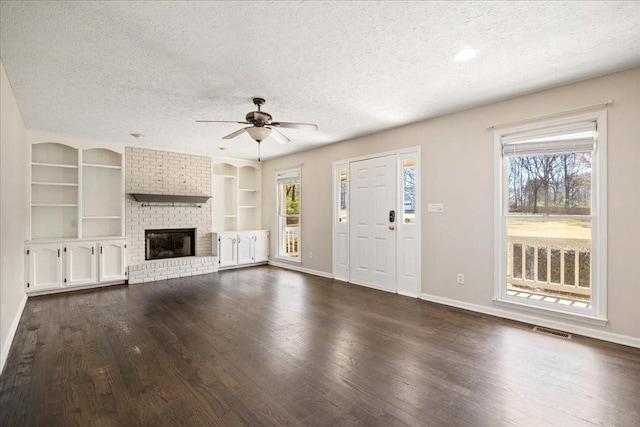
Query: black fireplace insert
[[170, 243]]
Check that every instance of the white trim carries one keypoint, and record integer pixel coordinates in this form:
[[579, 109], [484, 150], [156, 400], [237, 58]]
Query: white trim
[[376, 155], [12, 332], [534, 320], [301, 269], [598, 311]]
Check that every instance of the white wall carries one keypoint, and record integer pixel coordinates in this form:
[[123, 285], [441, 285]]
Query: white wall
[[458, 170], [13, 214]]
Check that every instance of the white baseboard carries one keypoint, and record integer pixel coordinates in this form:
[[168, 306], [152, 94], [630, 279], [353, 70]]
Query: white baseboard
[[12, 333], [301, 269], [534, 320]]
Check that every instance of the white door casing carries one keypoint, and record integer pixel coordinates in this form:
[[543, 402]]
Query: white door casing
[[408, 221], [341, 221], [373, 195], [408, 230]]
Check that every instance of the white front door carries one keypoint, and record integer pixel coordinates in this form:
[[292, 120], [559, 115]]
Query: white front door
[[372, 248]]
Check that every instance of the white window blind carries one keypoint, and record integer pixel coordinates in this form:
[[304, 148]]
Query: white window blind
[[288, 177], [573, 138]]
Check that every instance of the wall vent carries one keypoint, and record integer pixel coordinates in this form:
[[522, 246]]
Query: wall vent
[[554, 332]]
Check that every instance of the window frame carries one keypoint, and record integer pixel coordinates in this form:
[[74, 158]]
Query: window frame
[[597, 313], [281, 176]]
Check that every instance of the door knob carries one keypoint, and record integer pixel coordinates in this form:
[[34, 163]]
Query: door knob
[[392, 227]]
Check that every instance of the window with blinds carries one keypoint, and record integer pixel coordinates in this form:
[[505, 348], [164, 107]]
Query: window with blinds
[[552, 197]]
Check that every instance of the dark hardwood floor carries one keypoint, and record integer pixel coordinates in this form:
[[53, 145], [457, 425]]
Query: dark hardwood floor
[[269, 346]]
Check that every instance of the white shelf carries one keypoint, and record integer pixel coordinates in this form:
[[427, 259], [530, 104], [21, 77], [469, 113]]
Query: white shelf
[[247, 207], [229, 216], [96, 165], [226, 176], [55, 205], [54, 165], [60, 184], [248, 189]]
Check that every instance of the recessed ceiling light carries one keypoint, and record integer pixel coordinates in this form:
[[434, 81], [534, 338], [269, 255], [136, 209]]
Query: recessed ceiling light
[[222, 148], [137, 135], [466, 54]]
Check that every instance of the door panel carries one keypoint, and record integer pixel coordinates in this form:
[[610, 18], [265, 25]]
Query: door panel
[[244, 248], [373, 240], [80, 263], [227, 250], [45, 267], [261, 246], [112, 261]]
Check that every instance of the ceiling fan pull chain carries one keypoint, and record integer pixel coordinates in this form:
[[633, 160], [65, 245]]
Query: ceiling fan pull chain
[[258, 150]]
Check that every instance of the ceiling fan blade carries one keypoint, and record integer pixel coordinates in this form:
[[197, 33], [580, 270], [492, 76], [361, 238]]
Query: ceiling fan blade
[[294, 125], [222, 121], [279, 136], [234, 134]]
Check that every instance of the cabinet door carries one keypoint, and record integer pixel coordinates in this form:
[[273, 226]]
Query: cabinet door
[[245, 243], [227, 249], [112, 260], [80, 265], [261, 246], [45, 267]]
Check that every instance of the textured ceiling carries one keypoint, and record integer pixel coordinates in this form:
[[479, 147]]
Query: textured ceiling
[[102, 70]]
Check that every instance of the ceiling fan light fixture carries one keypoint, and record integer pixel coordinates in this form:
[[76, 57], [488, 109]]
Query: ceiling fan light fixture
[[259, 133]]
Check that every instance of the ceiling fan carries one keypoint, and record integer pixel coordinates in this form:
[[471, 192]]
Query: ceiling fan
[[262, 126]]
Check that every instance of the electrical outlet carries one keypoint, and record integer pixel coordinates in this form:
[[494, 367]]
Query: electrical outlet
[[461, 278], [310, 254]]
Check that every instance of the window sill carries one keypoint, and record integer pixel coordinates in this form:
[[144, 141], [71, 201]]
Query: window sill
[[579, 317], [287, 259]]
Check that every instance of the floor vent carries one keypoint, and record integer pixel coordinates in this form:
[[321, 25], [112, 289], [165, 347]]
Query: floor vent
[[554, 332]]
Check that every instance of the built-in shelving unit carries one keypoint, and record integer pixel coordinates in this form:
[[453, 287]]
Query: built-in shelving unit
[[75, 193], [54, 191], [236, 195], [101, 209]]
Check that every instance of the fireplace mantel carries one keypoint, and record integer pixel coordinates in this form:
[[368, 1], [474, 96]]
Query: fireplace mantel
[[169, 198]]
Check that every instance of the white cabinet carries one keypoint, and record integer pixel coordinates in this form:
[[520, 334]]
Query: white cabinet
[[44, 267], [112, 260], [261, 246], [245, 248], [80, 265], [241, 248], [64, 265]]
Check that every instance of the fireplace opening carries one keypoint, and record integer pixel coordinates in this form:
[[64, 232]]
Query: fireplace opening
[[170, 243]]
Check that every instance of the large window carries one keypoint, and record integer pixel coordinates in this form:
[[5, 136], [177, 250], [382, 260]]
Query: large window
[[289, 208], [552, 208]]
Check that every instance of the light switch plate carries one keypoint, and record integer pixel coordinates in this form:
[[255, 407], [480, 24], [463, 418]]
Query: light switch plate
[[435, 208]]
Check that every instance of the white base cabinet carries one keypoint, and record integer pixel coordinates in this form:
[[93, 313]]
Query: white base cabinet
[[240, 248], [64, 265]]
